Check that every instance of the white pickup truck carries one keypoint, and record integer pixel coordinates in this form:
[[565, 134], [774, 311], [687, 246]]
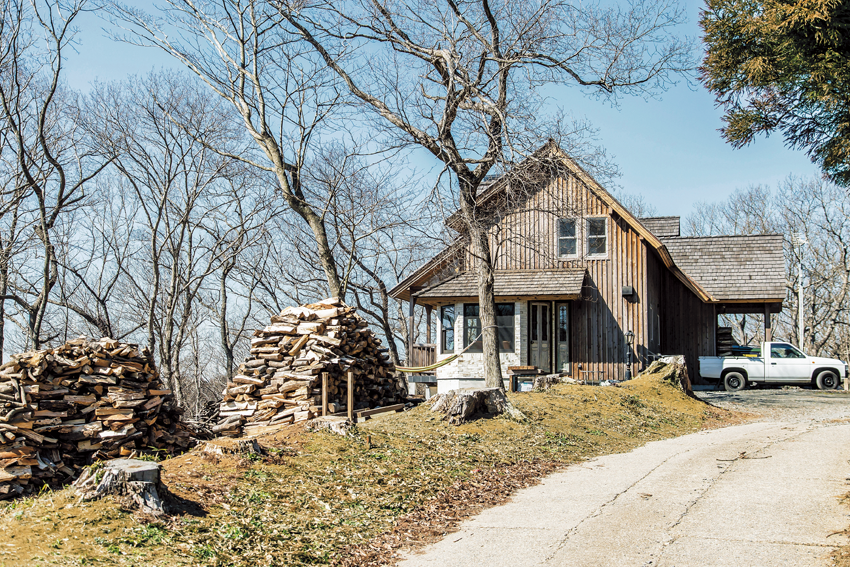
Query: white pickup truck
[[775, 363]]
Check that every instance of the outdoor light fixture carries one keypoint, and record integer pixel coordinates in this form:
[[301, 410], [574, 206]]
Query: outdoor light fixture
[[630, 339]]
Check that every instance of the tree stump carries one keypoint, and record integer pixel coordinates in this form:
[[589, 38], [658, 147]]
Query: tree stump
[[245, 447], [546, 381], [671, 369], [133, 480], [334, 424], [459, 406]]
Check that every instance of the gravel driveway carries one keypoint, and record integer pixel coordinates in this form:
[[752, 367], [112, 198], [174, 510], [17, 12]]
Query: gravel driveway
[[760, 494], [783, 403]]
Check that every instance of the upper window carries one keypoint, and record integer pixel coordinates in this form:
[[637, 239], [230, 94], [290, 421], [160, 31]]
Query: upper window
[[597, 237], [447, 323], [785, 351], [472, 327], [567, 237]]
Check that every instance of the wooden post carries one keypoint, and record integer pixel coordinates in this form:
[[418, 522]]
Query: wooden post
[[351, 396], [411, 305], [428, 309], [324, 393], [768, 329]]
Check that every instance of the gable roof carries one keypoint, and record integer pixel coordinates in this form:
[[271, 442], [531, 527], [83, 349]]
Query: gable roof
[[733, 268], [550, 151], [562, 284]]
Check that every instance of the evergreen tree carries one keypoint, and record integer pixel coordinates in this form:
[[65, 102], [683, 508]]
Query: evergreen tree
[[783, 65]]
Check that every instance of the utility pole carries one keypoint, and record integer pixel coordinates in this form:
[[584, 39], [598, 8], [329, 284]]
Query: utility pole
[[800, 239]]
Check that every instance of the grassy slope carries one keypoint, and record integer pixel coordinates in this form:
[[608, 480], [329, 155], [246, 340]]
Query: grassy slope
[[322, 499]]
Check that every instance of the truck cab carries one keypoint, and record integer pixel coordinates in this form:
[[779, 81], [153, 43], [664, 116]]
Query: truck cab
[[773, 363]]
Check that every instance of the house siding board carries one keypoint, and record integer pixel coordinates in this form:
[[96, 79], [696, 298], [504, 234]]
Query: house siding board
[[664, 314], [687, 324]]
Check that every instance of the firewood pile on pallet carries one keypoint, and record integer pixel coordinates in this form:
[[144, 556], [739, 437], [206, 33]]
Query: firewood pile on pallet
[[280, 382], [63, 408]]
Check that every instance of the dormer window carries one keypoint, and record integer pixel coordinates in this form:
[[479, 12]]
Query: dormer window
[[567, 238], [597, 237]]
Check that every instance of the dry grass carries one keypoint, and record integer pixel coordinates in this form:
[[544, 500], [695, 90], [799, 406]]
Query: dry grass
[[319, 499]]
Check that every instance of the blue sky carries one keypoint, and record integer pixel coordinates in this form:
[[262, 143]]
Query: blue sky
[[669, 150]]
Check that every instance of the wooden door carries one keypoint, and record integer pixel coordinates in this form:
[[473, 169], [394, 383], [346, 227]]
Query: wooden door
[[539, 340]]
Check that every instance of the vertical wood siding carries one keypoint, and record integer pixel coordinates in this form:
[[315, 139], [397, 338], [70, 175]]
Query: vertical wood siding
[[526, 239]]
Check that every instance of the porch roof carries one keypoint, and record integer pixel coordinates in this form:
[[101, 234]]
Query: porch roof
[[555, 284]]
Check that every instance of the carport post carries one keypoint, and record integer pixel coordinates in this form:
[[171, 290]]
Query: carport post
[[768, 329]]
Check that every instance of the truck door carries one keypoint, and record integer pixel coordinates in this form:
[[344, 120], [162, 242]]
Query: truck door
[[787, 364]]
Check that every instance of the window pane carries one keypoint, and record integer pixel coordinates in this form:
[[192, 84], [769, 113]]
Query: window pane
[[597, 237], [563, 322], [447, 315], [472, 328], [566, 246], [504, 310], [785, 351], [544, 323], [533, 322], [567, 228], [596, 227], [596, 245], [505, 322]]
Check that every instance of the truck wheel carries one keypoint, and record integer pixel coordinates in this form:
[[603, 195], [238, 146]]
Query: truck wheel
[[734, 382], [827, 380]]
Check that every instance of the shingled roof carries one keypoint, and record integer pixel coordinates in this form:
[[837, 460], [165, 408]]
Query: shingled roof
[[563, 284], [661, 226], [733, 268]]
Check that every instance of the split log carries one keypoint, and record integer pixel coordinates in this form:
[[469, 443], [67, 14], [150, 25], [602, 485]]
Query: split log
[[65, 419], [281, 376]]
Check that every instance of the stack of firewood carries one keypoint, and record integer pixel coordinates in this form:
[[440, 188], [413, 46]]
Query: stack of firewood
[[280, 383], [63, 408]]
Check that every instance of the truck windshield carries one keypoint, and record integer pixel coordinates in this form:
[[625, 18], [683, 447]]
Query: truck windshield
[[785, 351]]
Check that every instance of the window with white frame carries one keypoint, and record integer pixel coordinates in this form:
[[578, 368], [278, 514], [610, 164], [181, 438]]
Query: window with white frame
[[597, 237], [567, 238]]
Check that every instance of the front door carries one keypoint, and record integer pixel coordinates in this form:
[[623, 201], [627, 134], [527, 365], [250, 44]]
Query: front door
[[539, 326], [562, 337]]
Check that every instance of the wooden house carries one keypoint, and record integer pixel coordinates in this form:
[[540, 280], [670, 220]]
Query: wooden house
[[576, 271]]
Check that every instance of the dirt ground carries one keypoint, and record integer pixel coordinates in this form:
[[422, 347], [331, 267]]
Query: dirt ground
[[321, 499]]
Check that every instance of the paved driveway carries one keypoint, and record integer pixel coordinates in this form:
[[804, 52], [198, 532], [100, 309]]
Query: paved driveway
[[760, 494]]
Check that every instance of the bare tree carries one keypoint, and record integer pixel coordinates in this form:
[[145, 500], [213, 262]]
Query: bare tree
[[282, 93], [94, 259], [176, 181], [238, 225], [819, 211], [462, 80], [813, 211], [41, 117]]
